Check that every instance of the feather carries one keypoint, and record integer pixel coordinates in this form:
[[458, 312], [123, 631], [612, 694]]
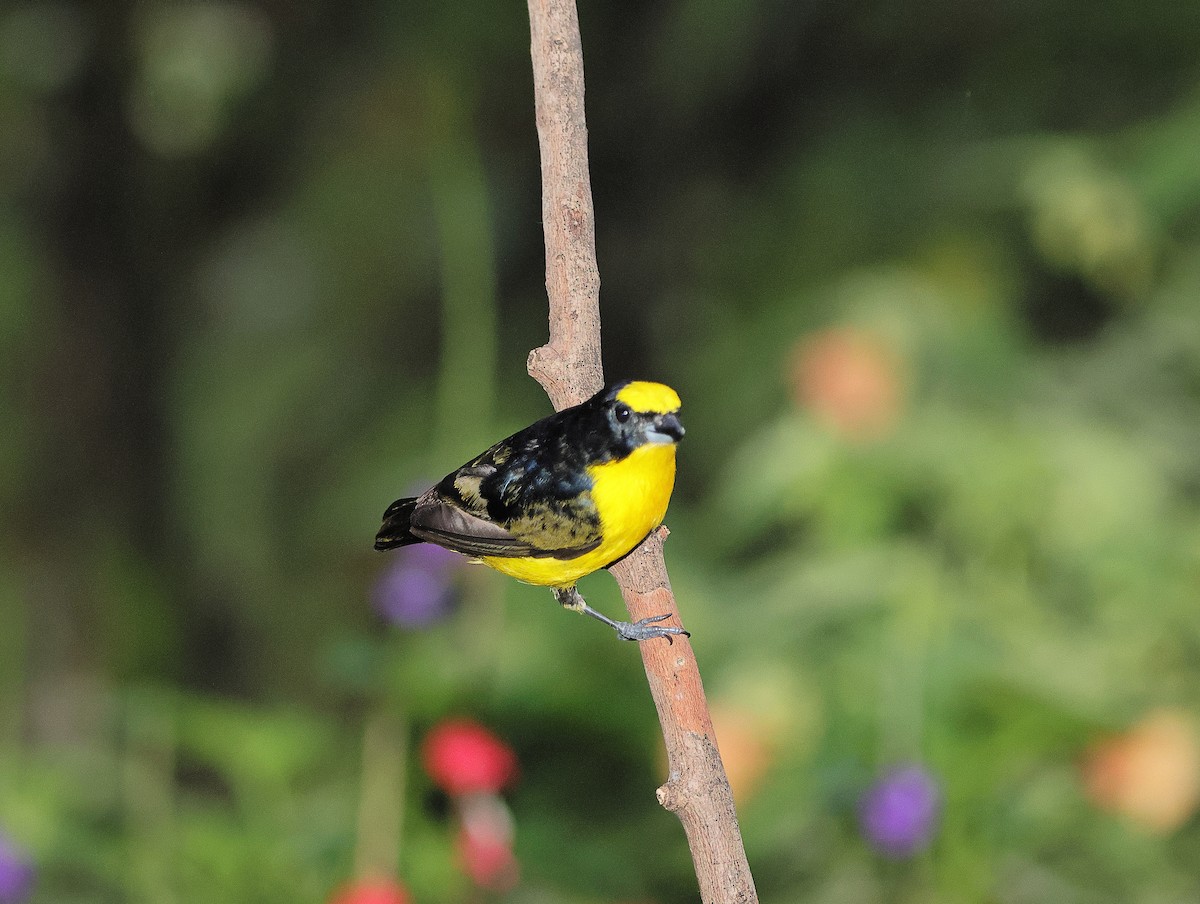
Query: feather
[[396, 520], [441, 521]]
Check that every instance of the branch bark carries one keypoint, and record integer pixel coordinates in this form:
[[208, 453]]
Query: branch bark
[[569, 368], [569, 365]]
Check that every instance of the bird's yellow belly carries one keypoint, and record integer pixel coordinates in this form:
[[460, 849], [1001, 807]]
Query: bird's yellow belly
[[631, 497]]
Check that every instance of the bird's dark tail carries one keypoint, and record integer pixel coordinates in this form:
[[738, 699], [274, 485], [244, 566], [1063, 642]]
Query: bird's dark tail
[[395, 525]]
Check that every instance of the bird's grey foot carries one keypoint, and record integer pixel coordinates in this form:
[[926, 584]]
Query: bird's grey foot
[[642, 629]]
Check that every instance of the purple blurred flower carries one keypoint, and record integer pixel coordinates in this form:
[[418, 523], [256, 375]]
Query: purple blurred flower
[[899, 813], [16, 873], [417, 588]]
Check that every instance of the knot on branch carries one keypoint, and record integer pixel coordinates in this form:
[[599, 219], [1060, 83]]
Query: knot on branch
[[569, 377], [543, 361], [699, 782], [669, 796]]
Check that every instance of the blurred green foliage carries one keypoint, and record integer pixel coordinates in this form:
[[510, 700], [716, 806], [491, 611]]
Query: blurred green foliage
[[926, 277]]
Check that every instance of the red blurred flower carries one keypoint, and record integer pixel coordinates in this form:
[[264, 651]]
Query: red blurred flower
[[1150, 774], [849, 380], [371, 891], [463, 757]]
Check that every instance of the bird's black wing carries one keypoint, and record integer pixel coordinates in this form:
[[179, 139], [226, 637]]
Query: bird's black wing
[[528, 495]]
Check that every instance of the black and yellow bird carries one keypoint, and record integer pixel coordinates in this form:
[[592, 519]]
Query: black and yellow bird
[[566, 496]]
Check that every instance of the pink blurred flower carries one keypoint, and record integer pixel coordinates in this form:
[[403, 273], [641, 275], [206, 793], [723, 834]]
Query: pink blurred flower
[[485, 842]]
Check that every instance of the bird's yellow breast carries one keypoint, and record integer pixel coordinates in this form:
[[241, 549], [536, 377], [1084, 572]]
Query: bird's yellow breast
[[631, 497]]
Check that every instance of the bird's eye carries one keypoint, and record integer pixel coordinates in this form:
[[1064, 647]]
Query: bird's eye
[[623, 413]]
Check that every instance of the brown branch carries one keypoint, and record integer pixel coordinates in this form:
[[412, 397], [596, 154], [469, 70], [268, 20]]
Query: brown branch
[[569, 368], [569, 365]]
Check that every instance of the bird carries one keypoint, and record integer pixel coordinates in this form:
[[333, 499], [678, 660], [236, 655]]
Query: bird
[[568, 495]]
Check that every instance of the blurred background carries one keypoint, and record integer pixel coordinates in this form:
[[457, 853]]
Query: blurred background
[[926, 277]]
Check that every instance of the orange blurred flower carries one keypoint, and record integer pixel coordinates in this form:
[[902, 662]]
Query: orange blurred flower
[[747, 748], [1150, 774], [849, 380]]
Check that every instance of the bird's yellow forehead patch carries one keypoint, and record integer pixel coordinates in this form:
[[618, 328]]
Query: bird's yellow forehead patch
[[655, 397]]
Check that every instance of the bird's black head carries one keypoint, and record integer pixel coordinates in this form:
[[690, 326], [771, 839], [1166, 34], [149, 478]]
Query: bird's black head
[[637, 413]]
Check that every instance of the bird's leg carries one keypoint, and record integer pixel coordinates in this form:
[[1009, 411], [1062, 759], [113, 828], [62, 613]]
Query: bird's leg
[[642, 629]]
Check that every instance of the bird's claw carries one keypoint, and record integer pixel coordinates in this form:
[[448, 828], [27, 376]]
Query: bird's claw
[[642, 629], [645, 629]]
